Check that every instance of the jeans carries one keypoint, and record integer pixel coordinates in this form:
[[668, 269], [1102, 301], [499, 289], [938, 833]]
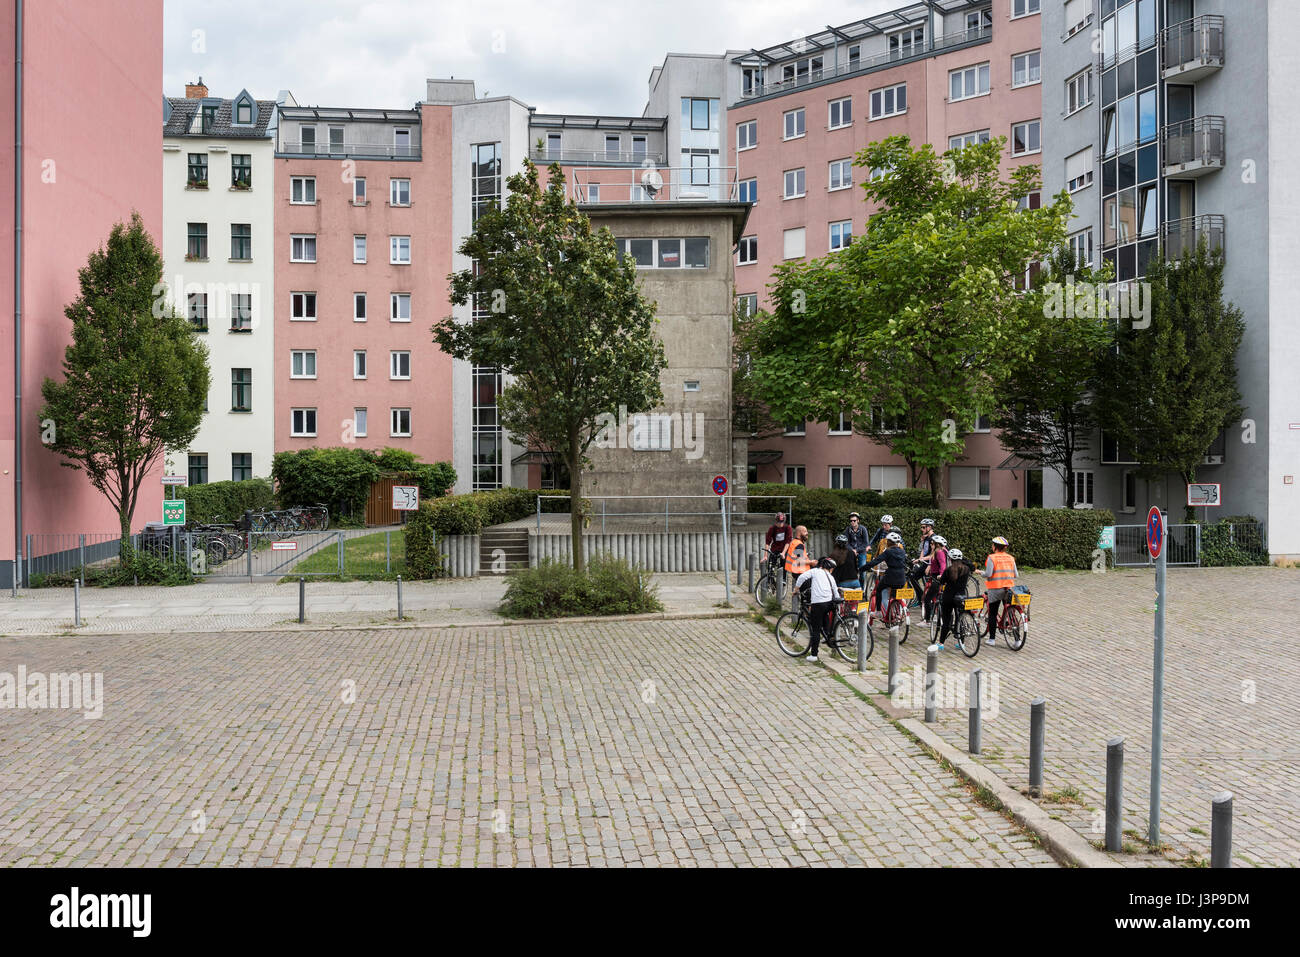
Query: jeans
[[819, 615], [948, 613]]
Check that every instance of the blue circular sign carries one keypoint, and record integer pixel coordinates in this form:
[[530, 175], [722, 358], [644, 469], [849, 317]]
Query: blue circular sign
[[1155, 532], [719, 485]]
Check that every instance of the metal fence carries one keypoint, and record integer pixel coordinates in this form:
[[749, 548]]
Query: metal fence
[[1182, 541], [611, 513]]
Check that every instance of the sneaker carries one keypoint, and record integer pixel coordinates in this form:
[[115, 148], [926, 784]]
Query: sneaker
[[991, 641], [939, 646], [811, 658]]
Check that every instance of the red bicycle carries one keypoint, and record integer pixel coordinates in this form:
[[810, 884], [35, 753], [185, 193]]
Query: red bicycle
[[1013, 622], [895, 615]]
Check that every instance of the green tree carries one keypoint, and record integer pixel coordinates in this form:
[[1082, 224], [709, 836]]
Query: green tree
[[135, 377], [1171, 387], [1045, 411], [563, 316], [915, 325]]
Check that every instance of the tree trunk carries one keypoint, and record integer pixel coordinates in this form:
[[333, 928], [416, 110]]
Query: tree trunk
[[124, 523], [933, 474], [575, 503], [1189, 512]]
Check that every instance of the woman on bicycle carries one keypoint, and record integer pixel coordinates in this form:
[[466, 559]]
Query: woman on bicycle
[[894, 559], [1000, 570], [953, 583], [822, 596], [846, 563], [935, 568]]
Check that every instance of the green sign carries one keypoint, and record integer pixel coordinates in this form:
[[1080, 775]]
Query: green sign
[[174, 512], [1107, 538]]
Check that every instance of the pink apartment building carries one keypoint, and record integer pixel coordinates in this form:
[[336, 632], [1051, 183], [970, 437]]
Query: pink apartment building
[[363, 249], [82, 171], [946, 73]]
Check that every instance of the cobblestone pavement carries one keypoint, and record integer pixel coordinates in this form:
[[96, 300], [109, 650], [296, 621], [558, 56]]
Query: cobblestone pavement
[[1230, 713], [640, 744]]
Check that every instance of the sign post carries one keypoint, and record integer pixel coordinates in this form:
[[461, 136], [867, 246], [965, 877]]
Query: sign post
[[174, 511], [1206, 495], [1156, 546], [720, 490], [406, 498]]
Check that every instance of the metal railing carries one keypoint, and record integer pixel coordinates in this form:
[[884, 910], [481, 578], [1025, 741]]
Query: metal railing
[[632, 157], [1193, 44], [1181, 236], [1201, 140], [1183, 544], [677, 184], [611, 512], [346, 150]]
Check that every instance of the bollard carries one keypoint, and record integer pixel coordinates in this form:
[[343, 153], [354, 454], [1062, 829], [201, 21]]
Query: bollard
[[1114, 794], [302, 599], [1221, 830], [388, 558], [893, 660], [400, 616], [76, 602], [1037, 717], [862, 641], [750, 563], [931, 679], [975, 723]]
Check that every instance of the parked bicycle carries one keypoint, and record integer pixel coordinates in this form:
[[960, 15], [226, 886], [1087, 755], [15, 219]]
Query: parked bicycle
[[794, 632], [769, 584], [296, 519]]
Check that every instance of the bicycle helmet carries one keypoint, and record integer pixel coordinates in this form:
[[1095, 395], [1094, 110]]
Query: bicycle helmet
[[826, 563], [956, 553], [1000, 541], [894, 537], [886, 520], [854, 515], [927, 521], [939, 540], [841, 539]]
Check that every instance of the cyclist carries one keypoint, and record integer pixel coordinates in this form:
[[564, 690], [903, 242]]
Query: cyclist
[[883, 532], [939, 561], [894, 559], [918, 571], [1000, 571], [798, 557], [822, 593], [778, 536], [953, 582], [857, 539], [846, 565]]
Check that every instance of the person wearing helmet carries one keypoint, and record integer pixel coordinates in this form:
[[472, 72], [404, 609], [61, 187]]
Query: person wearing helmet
[[1000, 572], [953, 592], [934, 572], [857, 540], [818, 583], [846, 563], [894, 559], [778, 536], [916, 575], [878, 539]]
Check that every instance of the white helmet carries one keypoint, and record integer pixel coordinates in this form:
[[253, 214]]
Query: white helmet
[[886, 520], [939, 540], [956, 553], [894, 537], [927, 521]]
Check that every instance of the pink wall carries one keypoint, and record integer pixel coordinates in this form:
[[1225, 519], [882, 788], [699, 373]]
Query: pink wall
[[334, 277], [92, 154]]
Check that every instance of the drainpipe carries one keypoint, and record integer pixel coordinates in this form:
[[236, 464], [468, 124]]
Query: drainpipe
[[18, 290]]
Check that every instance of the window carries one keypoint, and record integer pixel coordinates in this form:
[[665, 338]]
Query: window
[[796, 428], [198, 469], [402, 142], [841, 234], [794, 124], [747, 251], [241, 241], [695, 252], [358, 249], [302, 189], [303, 248], [399, 250], [613, 146], [982, 424], [1023, 8], [1129, 481], [241, 466], [358, 307], [699, 113], [303, 306], [1025, 138], [794, 245], [358, 363], [842, 425], [968, 482], [359, 191], [1026, 69], [302, 364], [244, 112], [638, 147], [748, 191], [794, 183], [795, 475], [553, 141], [1078, 91], [241, 390], [359, 423], [196, 309], [885, 477], [400, 303], [691, 385], [593, 193], [802, 71], [751, 81], [841, 113], [1078, 170], [399, 192], [969, 82], [399, 365], [906, 43], [841, 476], [303, 423], [747, 303], [889, 101], [307, 136], [241, 312], [841, 174], [1031, 200], [241, 170], [1078, 13], [400, 423], [1081, 246], [1113, 452], [977, 22], [336, 139], [1083, 486], [689, 253], [747, 135], [197, 171], [963, 140], [197, 244], [885, 423]]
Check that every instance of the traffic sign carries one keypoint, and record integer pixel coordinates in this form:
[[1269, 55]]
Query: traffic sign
[[174, 512], [1107, 537], [1155, 532], [406, 498], [719, 485], [1204, 494], [284, 546], [175, 480]]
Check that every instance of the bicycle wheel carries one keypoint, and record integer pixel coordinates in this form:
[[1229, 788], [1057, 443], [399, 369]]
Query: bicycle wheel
[[765, 590], [846, 641], [215, 552], [324, 519], [792, 634], [900, 617], [1015, 633], [968, 634]]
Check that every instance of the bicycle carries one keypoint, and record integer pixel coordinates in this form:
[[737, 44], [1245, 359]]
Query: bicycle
[[768, 586], [794, 633], [1013, 622], [895, 616]]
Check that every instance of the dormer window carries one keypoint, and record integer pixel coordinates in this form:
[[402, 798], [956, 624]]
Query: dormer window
[[209, 118], [244, 111]]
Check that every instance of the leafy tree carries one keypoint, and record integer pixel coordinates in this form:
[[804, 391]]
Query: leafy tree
[[563, 315], [750, 414], [1171, 387], [135, 375], [914, 326], [1045, 411]]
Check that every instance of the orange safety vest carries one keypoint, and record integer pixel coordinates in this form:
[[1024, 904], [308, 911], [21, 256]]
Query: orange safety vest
[[1004, 570], [797, 563]]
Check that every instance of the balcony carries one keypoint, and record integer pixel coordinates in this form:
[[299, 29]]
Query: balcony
[[546, 156], [1180, 236], [620, 184], [348, 151], [1193, 49], [1194, 147]]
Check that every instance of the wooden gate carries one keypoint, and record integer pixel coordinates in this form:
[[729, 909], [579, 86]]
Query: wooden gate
[[379, 506]]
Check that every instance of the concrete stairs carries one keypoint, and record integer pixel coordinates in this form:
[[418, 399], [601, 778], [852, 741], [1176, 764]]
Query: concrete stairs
[[502, 550]]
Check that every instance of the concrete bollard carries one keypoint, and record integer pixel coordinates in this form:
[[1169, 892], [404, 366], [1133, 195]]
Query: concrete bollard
[[975, 725], [893, 660], [750, 562], [1037, 719], [1114, 794], [400, 616], [931, 681], [76, 602], [1221, 830], [302, 599], [862, 642]]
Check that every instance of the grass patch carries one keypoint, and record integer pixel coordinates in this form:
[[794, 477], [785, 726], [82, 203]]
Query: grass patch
[[364, 559], [1066, 795]]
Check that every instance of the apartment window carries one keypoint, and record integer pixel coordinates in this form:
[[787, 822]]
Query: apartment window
[[796, 475], [307, 138], [1078, 170], [1023, 8], [303, 248], [794, 244], [968, 482], [241, 241], [241, 312], [699, 113], [198, 469], [358, 249], [842, 425], [400, 307], [241, 390], [963, 140], [1113, 452], [553, 141], [399, 365], [1078, 91], [241, 466], [197, 245], [906, 43], [613, 146], [1081, 246], [303, 423], [795, 125], [302, 189], [401, 422], [747, 303], [1032, 200], [841, 113], [1083, 488], [1129, 482], [302, 364], [359, 190], [747, 135], [885, 477], [841, 234], [303, 306], [399, 192], [358, 307], [794, 183], [802, 71], [855, 56], [1078, 13], [880, 422], [841, 174], [638, 147], [402, 142], [197, 170], [1026, 69], [196, 309], [593, 193], [358, 363], [747, 251], [841, 476], [982, 424], [966, 83], [399, 250], [889, 101], [796, 428], [359, 423], [244, 113], [691, 385], [241, 170], [748, 191], [1025, 138], [336, 139], [978, 22]]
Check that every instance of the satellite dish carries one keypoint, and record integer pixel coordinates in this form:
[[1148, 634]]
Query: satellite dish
[[652, 182]]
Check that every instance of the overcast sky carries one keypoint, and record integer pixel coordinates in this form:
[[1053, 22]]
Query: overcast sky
[[557, 55]]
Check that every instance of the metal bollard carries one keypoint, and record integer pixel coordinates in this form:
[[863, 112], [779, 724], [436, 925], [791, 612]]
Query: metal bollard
[[302, 599], [1037, 717], [400, 616], [1221, 830], [1114, 794], [893, 660], [76, 602], [975, 723], [750, 563], [862, 641], [931, 680], [388, 559]]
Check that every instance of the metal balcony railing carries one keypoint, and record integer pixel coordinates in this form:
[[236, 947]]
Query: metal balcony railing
[[1193, 48], [1181, 236], [630, 157], [1194, 147], [346, 150], [621, 184]]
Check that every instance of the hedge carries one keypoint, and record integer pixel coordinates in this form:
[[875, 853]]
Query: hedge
[[341, 477], [423, 560], [215, 502], [908, 497], [1222, 545], [470, 513]]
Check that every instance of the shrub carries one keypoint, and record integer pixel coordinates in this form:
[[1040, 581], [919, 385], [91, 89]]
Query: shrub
[[216, 502], [338, 477], [610, 586], [423, 560], [470, 513], [908, 497], [1233, 541]]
